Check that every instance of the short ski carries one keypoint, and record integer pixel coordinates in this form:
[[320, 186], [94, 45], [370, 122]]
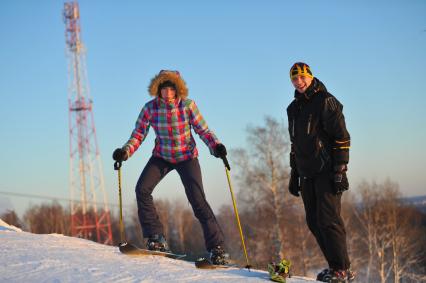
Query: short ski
[[129, 249], [204, 263]]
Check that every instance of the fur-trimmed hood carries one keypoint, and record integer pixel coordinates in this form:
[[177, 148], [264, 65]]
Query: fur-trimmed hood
[[167, 75]]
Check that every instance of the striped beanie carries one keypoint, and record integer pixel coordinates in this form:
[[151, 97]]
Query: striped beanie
[[300, 69]]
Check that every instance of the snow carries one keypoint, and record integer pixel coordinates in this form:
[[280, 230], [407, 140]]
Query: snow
[[6, 227], [28, 257]]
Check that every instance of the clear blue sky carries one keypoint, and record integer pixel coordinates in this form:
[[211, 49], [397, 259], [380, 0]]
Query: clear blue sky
[[235, 57]]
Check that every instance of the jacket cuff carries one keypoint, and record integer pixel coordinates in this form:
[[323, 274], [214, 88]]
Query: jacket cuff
[[340, 156], [127, 149]]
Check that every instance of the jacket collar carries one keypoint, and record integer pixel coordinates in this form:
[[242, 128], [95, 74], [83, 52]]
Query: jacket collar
[[315, 87], [168, 104]]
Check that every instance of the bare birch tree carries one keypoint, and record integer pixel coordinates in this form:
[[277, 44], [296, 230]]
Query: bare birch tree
[[263, 171], [47, 218], [390, 233], [11, 218]]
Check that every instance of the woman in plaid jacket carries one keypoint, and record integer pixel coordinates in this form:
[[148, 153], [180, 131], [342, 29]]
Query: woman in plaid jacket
[[172, 115]]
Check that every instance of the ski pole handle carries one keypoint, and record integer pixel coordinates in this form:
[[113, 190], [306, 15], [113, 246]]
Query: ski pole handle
[[225, 161], [117, 165]]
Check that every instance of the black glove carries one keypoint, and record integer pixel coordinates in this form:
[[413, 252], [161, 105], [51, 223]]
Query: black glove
[[220, 151], [294, 183], [119, 155], [340, 179]]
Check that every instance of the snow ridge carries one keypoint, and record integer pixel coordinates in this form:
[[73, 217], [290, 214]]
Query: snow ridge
[[6, 227]]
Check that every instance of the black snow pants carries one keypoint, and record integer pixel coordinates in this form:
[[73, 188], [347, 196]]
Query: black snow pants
[[323, 218], [190, 174]]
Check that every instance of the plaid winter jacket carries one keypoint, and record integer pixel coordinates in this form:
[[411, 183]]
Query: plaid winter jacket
[[172, 123]]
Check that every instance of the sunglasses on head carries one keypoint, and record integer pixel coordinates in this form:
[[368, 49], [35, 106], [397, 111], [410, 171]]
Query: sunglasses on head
[[170, 71]]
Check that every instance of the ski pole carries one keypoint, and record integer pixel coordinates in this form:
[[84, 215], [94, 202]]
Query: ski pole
[[117, 166], [227, 169]]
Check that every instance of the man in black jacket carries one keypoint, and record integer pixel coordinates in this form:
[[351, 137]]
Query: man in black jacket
[[318, 159]]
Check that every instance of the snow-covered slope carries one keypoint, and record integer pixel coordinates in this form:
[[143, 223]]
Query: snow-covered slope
[[6, 227], [27, 257]]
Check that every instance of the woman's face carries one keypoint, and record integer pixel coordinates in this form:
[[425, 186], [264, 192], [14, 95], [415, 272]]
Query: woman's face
[[168, 93]]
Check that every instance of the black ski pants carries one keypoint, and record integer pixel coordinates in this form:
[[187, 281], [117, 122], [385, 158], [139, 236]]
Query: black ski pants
[[190, 174], [323, 218]]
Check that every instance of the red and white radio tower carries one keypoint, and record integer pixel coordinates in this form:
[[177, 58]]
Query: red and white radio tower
[[86, 178]]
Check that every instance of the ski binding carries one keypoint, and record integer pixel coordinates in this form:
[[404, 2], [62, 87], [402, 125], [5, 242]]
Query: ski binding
[[132, 250]]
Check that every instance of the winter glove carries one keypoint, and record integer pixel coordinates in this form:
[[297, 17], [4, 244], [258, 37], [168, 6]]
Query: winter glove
[[294, 184], [220, 151], [340, 179], [119, 155]]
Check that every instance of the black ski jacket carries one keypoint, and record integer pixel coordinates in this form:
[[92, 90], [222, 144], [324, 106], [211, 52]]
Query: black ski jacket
[[318, 134]]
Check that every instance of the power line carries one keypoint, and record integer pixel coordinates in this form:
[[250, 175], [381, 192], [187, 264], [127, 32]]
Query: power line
[[51, 198]]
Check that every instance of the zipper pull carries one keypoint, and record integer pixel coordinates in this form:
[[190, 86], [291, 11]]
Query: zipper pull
[[309, 124]]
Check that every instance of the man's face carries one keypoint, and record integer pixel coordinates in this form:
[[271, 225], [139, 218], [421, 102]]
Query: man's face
[[301, 83]]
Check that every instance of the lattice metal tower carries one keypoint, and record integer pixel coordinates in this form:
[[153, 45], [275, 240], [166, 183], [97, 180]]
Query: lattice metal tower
[[90, 219]]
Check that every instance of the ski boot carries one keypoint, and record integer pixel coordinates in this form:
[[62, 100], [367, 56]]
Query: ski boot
[[351, 275], [336, 276], [157, 243], [218, 256], [322, 274]]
